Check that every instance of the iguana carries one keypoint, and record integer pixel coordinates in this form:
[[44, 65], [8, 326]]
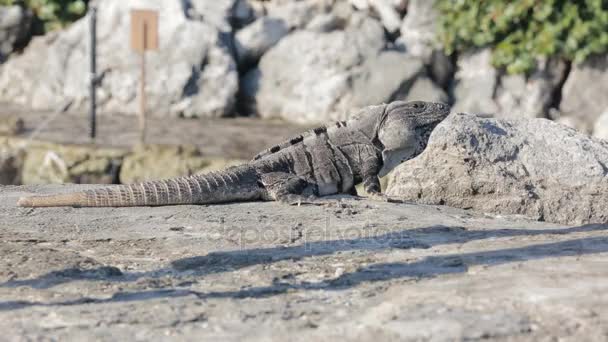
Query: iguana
[[323, 161]]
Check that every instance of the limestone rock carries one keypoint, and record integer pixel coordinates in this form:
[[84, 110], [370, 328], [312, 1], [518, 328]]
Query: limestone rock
[[534, 167], [424, 89], [584, 93], [53, 163], [480, 88], [15, 23], [312, 77], [153, 162], [600, 129], [11, 163], [419, 28], [295, 14], [192, 74], [475, 82], [387, 77], [255, 39], [386, 9], [11, 125]]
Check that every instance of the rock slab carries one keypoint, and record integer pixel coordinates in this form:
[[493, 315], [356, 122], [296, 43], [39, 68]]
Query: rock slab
[[534, 167]]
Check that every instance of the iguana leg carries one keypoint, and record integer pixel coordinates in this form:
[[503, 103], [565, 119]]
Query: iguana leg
[[289, 189], [371, 185]]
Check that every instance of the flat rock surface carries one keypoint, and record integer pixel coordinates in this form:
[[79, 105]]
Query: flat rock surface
[[354, 269]]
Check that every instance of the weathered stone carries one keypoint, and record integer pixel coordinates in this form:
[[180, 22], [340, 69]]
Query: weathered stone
[[534, 167], [424, 89], [475, 82], [11, 125], [223, 14], [15, 22], [387, 77], [11, 162], [419, 29], [53, 163], [153, 162], [386, 10], [295, 14], [530, 96], [600, 129], [585, 89], [255, 39], [325, 22], [311, 77], [480, 88], [192, 74]]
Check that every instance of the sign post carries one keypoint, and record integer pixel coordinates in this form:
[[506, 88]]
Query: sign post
[[93, 80], [144, 37]]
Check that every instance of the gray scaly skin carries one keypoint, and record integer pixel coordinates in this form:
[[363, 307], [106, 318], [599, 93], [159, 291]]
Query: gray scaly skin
[[324, 161]]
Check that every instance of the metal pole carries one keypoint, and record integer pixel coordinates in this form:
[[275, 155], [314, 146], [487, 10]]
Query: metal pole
[[93, 84]]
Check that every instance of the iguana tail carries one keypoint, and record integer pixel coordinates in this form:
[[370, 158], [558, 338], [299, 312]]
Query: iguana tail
[[239, 183]]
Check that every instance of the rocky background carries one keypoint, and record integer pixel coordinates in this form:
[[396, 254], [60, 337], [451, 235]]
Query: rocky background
[[305, 61]]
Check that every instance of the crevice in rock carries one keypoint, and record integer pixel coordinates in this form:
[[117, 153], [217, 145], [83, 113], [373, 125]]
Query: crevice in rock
[[556, 95]]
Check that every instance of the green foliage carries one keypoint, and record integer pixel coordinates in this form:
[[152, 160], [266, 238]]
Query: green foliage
[[520, 31], [54, 14]]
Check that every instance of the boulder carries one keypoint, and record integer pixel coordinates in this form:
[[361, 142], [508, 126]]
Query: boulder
[[482, 89], [419, 29], [46, 163], [255, 39], [533, 167], [192, 74], [387, 10], [585, 89], [475, 82], [313, 77], [295, 14], [222, 14], [153, 162], [11, 162], [15, 23], [424, 89], [600, 129]]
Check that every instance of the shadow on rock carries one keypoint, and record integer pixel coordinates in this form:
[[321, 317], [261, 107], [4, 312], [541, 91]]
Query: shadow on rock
[[426, 268]]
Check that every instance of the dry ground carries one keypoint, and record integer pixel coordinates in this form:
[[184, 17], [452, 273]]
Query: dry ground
[[263, 271]]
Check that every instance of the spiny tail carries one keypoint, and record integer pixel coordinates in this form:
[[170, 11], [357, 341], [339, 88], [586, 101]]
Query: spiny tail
[[233, 184]]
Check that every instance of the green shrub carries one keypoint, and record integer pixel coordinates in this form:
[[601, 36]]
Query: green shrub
[[520, 31], [54, 14]]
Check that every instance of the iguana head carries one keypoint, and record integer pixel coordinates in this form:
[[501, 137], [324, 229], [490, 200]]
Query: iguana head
[[404, 129]]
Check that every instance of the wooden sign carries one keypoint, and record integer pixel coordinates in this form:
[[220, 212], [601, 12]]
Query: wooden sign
[[144, 30]]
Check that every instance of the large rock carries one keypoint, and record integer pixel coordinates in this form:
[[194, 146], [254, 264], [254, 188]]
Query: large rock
[[153, 162], [255, 39], [419, 28], [15, 23], [584, 93], [534, 167], [312, 77], [46, 163], [480, 88], [600, 128], [475, 82], [11, 162], [192, 74]]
